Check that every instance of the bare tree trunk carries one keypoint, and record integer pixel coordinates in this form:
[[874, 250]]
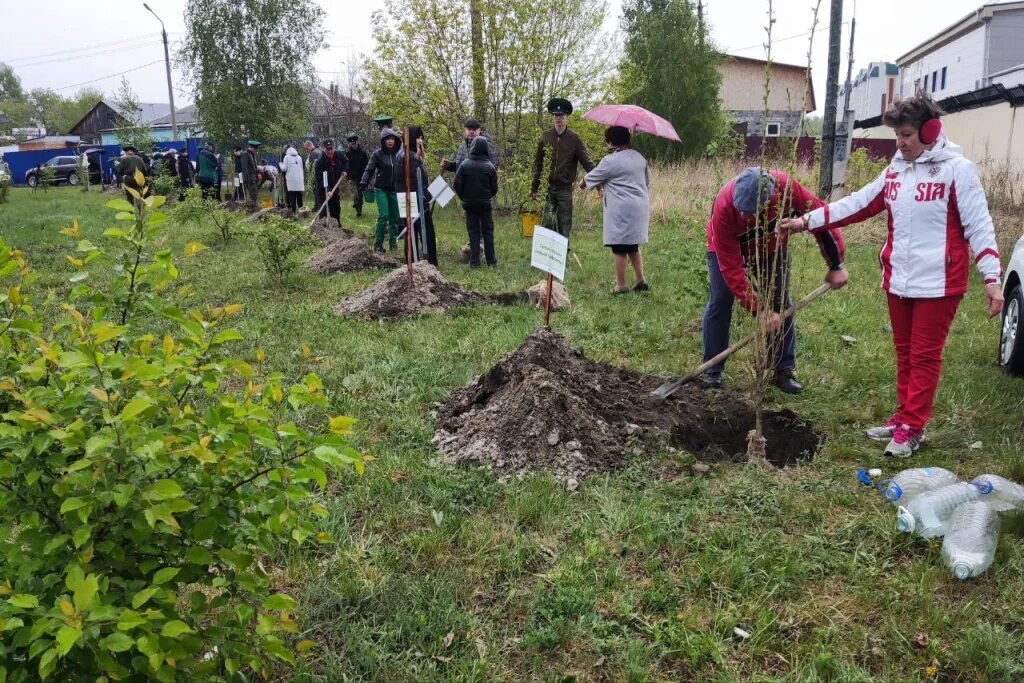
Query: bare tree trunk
[[828, 131], [479, 84]]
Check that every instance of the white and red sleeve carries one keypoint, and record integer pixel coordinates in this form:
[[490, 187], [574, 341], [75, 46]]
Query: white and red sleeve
[[863, 204], [977, 222]]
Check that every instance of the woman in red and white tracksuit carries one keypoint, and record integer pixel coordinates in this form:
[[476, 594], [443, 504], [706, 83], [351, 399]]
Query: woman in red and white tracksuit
[[937, 211]]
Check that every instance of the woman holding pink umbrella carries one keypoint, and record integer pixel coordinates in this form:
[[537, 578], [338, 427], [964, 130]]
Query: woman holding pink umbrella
[[624, 179]]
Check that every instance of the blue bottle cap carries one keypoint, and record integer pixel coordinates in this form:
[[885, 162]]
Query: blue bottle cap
[[984, 487], [864, 478]]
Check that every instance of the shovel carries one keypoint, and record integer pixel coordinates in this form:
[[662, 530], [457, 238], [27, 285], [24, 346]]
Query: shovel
[[669, 388]]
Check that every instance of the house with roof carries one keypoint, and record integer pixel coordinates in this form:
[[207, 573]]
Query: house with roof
[[107, 116], [872, 91], [983, 48], [790, 97]]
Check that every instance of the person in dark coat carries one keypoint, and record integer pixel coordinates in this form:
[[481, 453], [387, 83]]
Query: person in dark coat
[[382, 171], [127, 168], [422, 227], [331, 169], [357, 161], [472, 133], [186, 174], [92, 162], [209, 175], [476, 184], [250, 174]]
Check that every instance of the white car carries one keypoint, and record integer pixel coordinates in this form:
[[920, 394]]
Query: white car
[[1011, 341]]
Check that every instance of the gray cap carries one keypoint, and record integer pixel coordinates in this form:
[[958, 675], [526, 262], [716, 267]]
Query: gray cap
[[748, 185]]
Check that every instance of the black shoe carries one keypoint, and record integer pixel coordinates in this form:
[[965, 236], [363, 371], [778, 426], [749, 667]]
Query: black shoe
[[709, 381], [379, 248], [642, 286], [785, 382]]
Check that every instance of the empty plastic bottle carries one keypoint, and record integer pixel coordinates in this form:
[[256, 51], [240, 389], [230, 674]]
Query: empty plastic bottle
[[970, 543], [909, 484], [1002, 494], [928, 515]]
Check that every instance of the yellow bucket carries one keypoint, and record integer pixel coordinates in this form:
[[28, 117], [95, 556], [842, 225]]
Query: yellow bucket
[[267, 203], [530, 221]]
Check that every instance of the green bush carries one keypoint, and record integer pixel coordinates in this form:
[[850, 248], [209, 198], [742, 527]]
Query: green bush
[[196, 209], [277, 239], [164, 184], [140, 497]]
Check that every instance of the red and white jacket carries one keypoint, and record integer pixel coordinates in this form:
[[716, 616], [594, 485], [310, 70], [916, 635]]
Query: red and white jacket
[[937, 209]]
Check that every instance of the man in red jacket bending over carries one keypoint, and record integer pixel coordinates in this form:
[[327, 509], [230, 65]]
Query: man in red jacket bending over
[[739, 241]]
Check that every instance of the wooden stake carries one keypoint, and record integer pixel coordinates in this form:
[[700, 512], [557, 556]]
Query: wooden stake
[[547, 303], [409, 237]]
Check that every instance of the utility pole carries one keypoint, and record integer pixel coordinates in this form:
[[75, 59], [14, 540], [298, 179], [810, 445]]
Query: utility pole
[[828, 131], [476, 21], [849, 66], [167, 63]]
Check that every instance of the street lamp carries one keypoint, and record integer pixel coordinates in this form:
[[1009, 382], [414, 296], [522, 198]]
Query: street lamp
[[167, 63]]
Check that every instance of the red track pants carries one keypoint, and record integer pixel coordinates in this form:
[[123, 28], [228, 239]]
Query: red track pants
[[919, 330]]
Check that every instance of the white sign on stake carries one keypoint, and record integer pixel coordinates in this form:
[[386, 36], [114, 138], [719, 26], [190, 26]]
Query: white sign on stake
[[550, 251], [441, 191], [401, 205]]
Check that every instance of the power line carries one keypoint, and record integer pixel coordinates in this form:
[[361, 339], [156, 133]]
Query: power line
[[90, 55], [782, 40], [79, 49], [103, 78]]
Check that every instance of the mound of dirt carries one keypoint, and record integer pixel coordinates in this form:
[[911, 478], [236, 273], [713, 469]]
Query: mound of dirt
[[392, 298], [547, 407], [343, 251], [232, 205]]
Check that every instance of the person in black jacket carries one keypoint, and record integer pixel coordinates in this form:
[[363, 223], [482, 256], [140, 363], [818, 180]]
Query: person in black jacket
[[422, 227], [357, 160], [382, 170], [186, 174], [476, 184], [331, 168]]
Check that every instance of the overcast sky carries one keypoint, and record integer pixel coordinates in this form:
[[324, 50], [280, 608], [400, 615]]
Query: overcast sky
[[68, 44]]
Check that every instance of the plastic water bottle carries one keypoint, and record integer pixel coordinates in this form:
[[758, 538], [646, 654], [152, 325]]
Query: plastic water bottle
[[1002, 494], [928, 515], [909, 484], [970, 543]]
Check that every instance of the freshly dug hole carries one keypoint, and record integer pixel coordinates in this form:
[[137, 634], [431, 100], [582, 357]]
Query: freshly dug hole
[[343, 250], [547, 407]]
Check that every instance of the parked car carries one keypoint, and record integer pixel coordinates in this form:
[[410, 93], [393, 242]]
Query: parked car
[[1011, 342], [65, 171]]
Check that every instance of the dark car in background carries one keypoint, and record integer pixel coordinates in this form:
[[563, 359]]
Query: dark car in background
[[65, 170]]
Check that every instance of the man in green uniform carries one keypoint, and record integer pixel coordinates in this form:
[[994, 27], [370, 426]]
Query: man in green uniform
[[567, 151], [130, 163], [250, 178], [383, 121]]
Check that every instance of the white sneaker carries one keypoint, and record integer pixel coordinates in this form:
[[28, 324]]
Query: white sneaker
[[883, 433], [904, 442]]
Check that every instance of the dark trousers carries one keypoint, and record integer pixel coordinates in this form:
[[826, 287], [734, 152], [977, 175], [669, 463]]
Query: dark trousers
[[295, 199], [318, 196], [209, 189], [334, 208], [480, 224], [357, 202], [252, 194], [718, 314], [558, 210], [425, 233]]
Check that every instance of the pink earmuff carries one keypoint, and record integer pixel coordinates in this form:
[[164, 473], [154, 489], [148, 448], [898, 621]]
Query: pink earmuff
[[930, 131]]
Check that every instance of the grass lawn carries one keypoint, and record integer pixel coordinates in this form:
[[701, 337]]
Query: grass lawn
[[441, 573]]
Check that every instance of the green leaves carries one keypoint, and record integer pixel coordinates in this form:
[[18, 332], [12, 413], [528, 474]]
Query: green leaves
[[132, 470], [23, 601]]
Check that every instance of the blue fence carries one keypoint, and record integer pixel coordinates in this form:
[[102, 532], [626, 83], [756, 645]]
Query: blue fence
[[22, 162]]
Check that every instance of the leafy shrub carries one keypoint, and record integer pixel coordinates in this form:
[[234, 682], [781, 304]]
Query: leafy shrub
[[196, 209], [277, 240], [138, 495], [861, 169], [165, 185]]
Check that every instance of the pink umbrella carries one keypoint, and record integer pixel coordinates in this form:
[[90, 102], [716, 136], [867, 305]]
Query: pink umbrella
[[636, 119]]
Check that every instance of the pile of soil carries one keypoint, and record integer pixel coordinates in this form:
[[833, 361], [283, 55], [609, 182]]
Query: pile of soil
[[547, 407], [392, 298], [343, 251], [232, 205]]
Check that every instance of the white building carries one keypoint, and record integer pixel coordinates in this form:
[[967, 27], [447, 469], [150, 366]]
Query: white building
[[871, 92], [984, 47]]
